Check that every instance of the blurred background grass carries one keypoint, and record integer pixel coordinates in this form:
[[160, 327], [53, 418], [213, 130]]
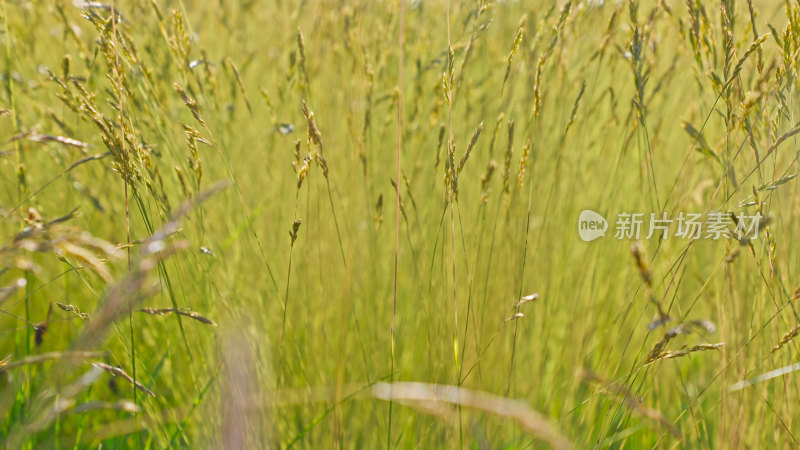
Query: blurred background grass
[[283, 383]]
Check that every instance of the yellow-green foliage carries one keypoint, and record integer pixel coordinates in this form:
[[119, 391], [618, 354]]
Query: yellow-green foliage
[[155, 154]]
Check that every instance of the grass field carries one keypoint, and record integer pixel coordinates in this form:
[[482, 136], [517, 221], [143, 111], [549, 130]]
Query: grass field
[[358, 224]]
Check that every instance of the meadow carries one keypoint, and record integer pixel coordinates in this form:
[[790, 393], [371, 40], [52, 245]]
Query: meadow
[[357, 224]]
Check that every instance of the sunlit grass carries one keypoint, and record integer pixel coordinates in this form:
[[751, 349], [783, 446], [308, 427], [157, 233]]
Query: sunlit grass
[[245, 156]]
